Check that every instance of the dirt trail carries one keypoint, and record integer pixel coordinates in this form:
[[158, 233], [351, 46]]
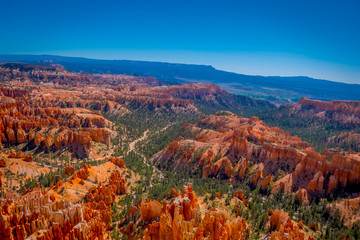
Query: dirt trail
[[133, 143], [156, 172]]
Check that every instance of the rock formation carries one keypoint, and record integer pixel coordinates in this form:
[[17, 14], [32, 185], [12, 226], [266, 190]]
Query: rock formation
[[283, 227], [82, 173], [2, 163], [266, 181], [344, 112], [179, 219], [20, 122], [35, 216], [227, 144], [40, 213], [69, 170], [117, 161], [302, 196]]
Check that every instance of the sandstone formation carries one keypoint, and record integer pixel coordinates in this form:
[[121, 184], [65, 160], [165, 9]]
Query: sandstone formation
[[228, 143], [20, 122], [266, 181], [302, 196], [117, 161], [179, 219], [28, 158], [2, 163], [82, 173], [106, 194], [239, 194], [317, 183], [55, 115], [283, 227], [40, 213], [345, 112], [349, 210], [69, 170], [35, 216]]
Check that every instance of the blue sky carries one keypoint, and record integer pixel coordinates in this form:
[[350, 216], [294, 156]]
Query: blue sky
[[262, 37]]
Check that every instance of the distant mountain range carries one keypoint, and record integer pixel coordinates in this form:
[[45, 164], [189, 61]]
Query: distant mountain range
[[278, 90]]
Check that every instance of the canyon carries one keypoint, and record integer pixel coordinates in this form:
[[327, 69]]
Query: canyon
[[113, 156]]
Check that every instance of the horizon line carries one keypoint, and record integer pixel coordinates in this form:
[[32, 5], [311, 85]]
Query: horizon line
[[169, 62]]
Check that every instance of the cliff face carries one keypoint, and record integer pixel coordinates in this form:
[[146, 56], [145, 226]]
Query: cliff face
[[224, 146]]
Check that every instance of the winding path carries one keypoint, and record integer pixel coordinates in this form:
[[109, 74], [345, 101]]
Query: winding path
[[157, 172], [132, 144]]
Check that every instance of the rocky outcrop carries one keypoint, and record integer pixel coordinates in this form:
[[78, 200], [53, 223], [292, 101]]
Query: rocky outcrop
[[41, 214], [150, 210], [221, 168], [258, 173], [239, 194], [28, 158], [69, 170], [317, 183], [38, 139], [99, 135], [302, 196], [283, 227], [179, 219], [117, 161], [215, 226], [2, 163], [332, 185], [266, 181], [106, 194], [241, 168], [349, 210], [82, 173]]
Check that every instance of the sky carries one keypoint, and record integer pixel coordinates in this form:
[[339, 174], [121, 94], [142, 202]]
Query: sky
[[314, 38]]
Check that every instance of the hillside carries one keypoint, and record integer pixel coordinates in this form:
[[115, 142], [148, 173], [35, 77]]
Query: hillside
[[279, 90], [227, 146], [266, 161], [325, 124]]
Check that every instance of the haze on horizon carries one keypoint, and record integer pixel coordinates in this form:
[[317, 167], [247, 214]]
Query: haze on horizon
[[283, 38]]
